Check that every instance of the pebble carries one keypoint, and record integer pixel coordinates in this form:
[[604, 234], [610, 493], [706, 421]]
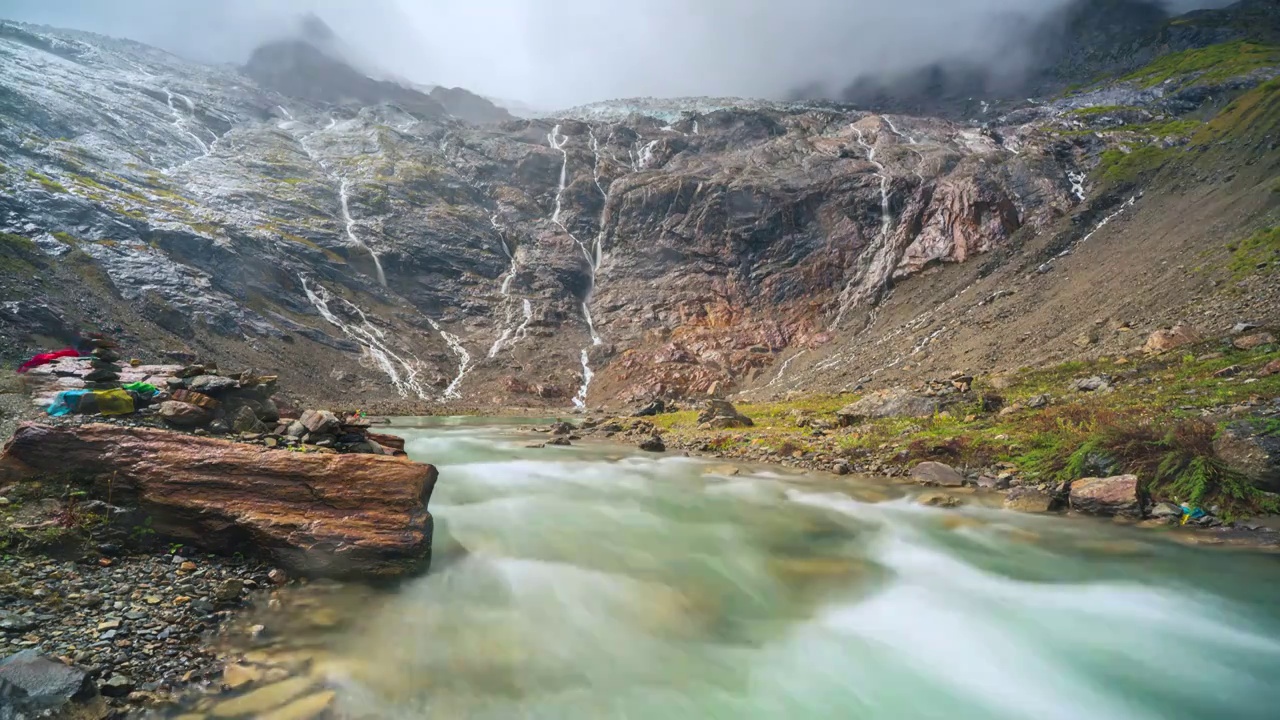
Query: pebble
[[139, 626]]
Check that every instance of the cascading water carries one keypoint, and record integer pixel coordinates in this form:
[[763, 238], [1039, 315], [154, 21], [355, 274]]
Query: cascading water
[[464, 360], [592, 253], [848, 298], [580, 400], [509, 332], [1101, 224], [344, 199], [402, 373]]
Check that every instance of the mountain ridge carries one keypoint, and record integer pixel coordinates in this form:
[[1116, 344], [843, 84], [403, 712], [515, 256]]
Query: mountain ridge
[[383, 252]]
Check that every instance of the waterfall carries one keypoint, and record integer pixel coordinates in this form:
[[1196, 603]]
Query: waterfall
[[402, 373]]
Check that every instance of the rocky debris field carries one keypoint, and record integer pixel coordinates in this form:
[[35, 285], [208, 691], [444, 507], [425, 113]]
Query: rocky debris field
[[136, 630]]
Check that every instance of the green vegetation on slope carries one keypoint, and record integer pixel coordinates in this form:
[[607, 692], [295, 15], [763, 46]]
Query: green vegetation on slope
[[1251, 117], [1254, 114], [1214, 63], [46, 182], [1150, 424], [1258, 253]]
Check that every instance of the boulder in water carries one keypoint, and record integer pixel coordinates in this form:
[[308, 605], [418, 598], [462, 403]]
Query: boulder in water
[[1029, 500], [653, 443]]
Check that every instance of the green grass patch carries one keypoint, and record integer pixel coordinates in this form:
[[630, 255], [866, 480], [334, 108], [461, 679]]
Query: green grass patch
[[46, 182], [1164, 128], [1257, 254], [1151, 424], [1101, 110], [1214, 63], [1255, 114], [1118, 166]]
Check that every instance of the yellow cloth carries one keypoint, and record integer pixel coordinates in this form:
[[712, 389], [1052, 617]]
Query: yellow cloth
[[113, 402]]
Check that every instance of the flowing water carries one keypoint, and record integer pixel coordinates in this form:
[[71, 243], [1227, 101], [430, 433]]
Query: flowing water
[[591, 582]]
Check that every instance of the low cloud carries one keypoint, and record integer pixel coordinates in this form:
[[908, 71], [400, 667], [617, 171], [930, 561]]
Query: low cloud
[[553, 54]]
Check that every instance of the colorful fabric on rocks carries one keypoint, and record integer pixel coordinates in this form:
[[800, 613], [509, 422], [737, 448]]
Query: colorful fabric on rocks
[[66, 402], [46, 358], [141, 388], [113, 402], [90, 402]]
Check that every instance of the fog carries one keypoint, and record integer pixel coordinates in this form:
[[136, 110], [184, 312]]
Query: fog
[[556, 53]]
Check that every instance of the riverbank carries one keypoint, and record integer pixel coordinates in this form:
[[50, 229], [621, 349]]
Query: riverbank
[[1194, 422]]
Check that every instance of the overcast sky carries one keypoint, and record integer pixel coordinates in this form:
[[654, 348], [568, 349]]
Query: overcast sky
[[556, 53]]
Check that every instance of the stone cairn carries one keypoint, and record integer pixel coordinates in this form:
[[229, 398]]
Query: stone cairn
[[199, 398], [105, 370]]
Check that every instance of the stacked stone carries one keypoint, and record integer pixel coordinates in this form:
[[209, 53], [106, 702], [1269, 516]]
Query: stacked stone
[[104, 361]]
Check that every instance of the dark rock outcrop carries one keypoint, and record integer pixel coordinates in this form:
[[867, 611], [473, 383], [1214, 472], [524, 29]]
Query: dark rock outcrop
[[1248, 448], [313, 513]]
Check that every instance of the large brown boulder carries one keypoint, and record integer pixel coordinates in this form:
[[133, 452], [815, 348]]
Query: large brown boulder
[[1120, 495], [313, 513], [1175, 337], [896, 402]]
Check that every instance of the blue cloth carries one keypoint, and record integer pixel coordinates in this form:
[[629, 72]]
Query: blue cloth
[[66, 402], [1193, 513]]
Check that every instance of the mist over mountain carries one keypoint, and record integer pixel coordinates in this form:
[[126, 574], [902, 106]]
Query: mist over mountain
[[576, 51]]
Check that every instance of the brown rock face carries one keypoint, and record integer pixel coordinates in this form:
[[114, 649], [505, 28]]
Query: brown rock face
[[1175, 337], [315, 514], [183, 414], [1109, 496]]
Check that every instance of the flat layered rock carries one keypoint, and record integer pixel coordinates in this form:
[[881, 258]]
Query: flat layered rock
[[312, 513]]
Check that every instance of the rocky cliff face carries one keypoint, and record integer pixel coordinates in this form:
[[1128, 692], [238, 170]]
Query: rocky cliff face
[[298, 215]]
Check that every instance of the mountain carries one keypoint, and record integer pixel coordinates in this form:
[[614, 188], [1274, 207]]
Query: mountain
[[381, 246], [1084, 41]]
